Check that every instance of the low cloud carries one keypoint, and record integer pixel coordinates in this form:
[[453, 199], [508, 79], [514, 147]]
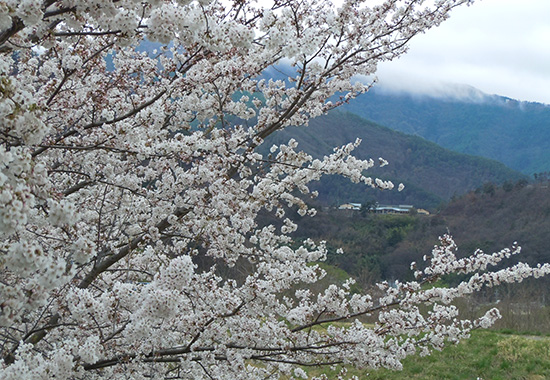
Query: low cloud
[[497, 46]]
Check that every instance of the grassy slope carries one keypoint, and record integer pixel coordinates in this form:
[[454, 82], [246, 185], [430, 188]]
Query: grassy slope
[[487, 355]]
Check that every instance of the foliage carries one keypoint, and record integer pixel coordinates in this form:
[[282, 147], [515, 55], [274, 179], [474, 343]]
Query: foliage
[[495, 218], [364, 239], [486, 220], [119, 184]]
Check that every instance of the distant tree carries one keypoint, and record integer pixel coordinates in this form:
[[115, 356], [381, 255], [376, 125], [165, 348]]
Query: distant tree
[[368, 206], [521, 183], [489, 188], [542, 177], [116, 181], [508, 186]]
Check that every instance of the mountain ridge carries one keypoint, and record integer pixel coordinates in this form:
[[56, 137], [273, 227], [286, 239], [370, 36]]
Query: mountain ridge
[[431, 174], [513, 132], [451, 91]]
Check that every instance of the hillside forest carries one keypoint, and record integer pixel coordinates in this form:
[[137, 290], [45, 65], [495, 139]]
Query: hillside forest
[[381, 247], [480, 201]]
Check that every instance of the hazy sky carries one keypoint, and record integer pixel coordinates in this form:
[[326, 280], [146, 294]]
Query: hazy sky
[[498, 46]]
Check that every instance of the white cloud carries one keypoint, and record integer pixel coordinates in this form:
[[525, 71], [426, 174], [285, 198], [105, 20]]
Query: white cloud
[[498, 46]]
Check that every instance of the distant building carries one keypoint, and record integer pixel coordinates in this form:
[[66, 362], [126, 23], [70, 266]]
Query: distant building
[[389, 209], [384, 209], [350, 206]]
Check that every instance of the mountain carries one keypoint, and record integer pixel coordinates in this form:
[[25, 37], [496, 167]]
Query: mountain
[[490, 218], [457, 117], [383, 246], [465, 120], [431, 174]]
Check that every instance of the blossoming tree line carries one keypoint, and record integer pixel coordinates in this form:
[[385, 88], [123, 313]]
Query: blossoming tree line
[[113, 182]]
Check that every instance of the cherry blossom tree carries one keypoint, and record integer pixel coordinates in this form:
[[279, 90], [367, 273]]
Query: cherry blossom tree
[[115, 180]]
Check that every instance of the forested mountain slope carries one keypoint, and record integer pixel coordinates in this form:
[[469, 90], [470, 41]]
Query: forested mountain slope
[[512, 132], [431, 174], [490, 218]]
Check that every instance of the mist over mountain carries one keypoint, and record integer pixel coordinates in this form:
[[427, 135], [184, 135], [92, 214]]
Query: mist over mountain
[[458, 117], [464, 119]]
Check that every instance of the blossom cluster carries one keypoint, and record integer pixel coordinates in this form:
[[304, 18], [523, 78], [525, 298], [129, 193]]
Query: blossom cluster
[[131, 185]]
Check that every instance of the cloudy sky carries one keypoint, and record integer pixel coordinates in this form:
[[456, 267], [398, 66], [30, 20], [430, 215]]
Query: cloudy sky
[[498, 46]]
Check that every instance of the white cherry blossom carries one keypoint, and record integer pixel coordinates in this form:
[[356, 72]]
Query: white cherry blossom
[[131, 185]]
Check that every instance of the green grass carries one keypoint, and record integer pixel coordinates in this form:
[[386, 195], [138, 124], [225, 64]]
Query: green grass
[[488, 355]]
